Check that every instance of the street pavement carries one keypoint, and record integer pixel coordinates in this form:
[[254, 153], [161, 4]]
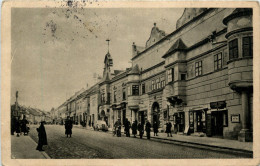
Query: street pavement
[[97, 144]]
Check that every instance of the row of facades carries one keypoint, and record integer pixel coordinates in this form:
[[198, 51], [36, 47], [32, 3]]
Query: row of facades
[[199, 77]]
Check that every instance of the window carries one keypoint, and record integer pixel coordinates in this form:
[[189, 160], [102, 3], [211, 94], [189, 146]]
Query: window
[[114, 96], [233, 49], [248, 46], [135, 90], [143, 88], [124, 95], [198, 68], [218, 61], [162, 82], [170, 73], [152, 84], [102, 97], [108, 97], [183, 76], [158, 85]]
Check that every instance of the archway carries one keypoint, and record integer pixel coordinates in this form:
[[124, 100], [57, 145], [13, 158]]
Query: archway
[[156, 113]]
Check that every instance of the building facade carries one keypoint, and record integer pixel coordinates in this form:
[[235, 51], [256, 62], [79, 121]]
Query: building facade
[[199, 77]]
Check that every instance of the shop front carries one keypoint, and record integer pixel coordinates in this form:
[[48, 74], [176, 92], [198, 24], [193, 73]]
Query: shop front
[[217, 119], [197, 121], [179, 122]]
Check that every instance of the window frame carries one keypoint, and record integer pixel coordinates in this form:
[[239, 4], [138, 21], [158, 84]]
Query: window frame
[[198, 68], [143, 88], [115, 96], [250, 46], [233, 49], [135, 90], [162, 81], [170, 75], [218, 61]]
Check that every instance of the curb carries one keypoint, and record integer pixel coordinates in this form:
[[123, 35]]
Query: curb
[[193, 143], [213, 146], [43, 153], [200, 144]]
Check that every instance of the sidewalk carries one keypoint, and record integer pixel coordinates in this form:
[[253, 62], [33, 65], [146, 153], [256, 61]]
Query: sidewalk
[[24, 147], [208, 141], [203, 141]]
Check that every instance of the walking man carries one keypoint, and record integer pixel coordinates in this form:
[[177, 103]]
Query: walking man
[[169, 129], [134, 128], [148, 129], [155, 128], [42, 137], [127, 128], [140, 129], [68, 127]]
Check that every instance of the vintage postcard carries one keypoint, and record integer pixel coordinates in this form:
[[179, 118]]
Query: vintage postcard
[[141, 83]]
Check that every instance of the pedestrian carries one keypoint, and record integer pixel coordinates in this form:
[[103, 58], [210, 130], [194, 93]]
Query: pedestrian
[[148, 129], [24, 127], [118, 128], [169, 129], [13, 125], [155, 128], [18, 127], [140, 129], [68, 126], [127, 127], [134, 128], [42, 136]]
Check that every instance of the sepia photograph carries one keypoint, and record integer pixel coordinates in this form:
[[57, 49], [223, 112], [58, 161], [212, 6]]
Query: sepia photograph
[[131, 83]]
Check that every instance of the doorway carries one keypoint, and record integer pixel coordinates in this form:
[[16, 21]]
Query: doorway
[[141, 117], [156, 113], [217, 123], [199, 121]]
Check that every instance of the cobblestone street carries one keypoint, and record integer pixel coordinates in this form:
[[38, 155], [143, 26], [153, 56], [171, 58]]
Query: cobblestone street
[[92, 144]]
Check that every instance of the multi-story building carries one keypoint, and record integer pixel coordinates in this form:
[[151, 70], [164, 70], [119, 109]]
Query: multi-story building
[[198, 77]]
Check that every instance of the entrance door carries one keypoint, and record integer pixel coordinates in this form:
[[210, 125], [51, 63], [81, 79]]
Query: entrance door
[[141, 117], [156, 113], [124, 115], [181, 122], [217, 123], [199, 122]]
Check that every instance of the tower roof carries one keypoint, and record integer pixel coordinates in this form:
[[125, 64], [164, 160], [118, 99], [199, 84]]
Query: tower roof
[[177, 46], [135, 70]]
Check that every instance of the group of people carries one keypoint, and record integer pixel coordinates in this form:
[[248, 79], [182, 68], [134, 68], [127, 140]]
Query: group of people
[[141, 128], [19, 126]]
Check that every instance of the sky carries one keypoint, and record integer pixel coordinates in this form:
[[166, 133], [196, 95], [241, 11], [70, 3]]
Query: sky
[[56, 51]]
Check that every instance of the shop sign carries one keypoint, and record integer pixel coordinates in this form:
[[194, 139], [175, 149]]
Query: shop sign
[[218, 105], [235, 118]]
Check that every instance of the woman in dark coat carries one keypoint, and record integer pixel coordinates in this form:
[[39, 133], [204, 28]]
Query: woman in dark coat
[[148, 129], [155, 128], [68, 127], [42, 137], [134, 128], [127, 128], [169, 129], [141, 130], [24, 127]]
